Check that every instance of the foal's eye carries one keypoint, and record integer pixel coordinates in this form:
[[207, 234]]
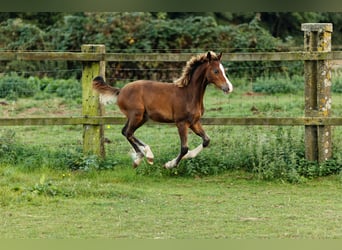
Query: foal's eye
[[216, 71]]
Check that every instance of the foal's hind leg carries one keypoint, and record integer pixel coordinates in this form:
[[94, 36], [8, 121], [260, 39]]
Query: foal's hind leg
[[141, 149], [146, 150], [128, 132]]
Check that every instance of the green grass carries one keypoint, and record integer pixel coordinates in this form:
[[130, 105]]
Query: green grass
[[270, 152], [42, 197], [123, 205]]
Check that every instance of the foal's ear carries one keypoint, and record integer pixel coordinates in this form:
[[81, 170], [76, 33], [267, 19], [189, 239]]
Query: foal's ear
[[219, 56], [209, 56]]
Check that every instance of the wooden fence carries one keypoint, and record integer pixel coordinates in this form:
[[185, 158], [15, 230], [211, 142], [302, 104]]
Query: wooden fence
[[317, 56]]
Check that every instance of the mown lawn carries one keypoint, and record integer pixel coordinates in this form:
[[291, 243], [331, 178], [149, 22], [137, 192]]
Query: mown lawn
[[41, 200], [120, 204]]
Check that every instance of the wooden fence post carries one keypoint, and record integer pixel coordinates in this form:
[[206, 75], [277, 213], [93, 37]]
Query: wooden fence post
[[93, 138], [317, 37]]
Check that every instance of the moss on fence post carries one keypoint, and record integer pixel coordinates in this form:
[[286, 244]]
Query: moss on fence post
[[93, 138], [317, 38]]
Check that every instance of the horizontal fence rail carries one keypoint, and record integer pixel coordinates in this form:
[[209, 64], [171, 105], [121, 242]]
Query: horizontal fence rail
[[240, 121], [170, 57], [167, 57]]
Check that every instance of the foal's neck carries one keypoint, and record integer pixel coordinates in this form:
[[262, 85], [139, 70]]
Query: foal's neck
[[198, 84]]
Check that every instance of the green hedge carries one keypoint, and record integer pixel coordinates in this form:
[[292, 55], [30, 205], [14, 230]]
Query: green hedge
[[13, 86], [136, 32], [280, 84]]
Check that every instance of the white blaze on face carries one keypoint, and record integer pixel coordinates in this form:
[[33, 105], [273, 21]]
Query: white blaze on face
[[230, 85]]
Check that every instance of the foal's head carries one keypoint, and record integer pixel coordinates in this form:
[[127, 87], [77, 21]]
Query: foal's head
[[215, 73]]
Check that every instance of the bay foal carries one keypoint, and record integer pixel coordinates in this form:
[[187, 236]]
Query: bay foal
[[180, 102]]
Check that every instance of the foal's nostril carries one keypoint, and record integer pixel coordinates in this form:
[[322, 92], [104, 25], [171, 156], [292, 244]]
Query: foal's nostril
[[226, 89]]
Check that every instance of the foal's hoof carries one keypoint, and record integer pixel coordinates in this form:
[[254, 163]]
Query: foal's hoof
[[149, 160], [137, 160], [170, 164]]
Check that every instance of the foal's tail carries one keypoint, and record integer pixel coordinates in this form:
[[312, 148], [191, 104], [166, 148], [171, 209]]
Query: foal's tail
[[108, 94]]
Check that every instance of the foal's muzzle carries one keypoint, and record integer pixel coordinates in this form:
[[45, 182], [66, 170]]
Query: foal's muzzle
[[227, 88]]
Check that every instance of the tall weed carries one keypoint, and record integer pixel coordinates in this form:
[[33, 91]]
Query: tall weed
[[271, 153], [29, 158], [274, 153]]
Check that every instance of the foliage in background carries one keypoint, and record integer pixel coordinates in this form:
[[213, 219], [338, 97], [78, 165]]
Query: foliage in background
[[146, 32], [30, 36], [278, 84], [337, 82], [18, 35], [141, 32], [13, 87], [279, 24]]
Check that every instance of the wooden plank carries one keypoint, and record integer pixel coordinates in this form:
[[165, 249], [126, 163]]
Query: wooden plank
[[166, 57], [148, 57], [93, 135], [241, 57], [224, 121], [51, 56], [317, 38], [285, 121], [56, 121]]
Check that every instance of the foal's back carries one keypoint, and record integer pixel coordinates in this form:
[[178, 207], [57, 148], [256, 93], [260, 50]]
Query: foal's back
[[158, 100]]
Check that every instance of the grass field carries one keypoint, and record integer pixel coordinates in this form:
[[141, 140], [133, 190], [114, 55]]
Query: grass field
[[121, 204], [39, 199]]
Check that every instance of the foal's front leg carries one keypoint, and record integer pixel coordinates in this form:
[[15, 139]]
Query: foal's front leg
[[183, 134], [198, 130]]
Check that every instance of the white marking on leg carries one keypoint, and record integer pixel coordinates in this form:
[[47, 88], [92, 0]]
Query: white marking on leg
[[193, 153], [137, 158], [171, 164], [142, 149], [133, 155], [149, 155], [137, 161], [146, 150]]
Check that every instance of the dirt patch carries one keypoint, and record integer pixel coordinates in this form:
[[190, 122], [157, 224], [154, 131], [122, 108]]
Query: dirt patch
[[251, 93], [35, 110]]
